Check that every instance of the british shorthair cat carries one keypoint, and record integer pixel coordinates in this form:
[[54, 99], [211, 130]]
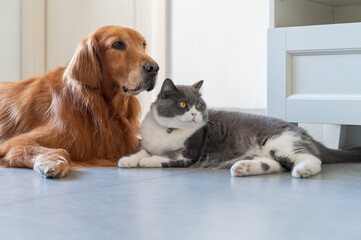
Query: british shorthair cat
[[179, 131]]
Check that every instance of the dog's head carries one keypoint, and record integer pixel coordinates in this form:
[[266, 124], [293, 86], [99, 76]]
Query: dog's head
[[114, 57]]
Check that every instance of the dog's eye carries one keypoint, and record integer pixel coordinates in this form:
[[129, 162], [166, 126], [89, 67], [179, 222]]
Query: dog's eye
[[119, 45], [144, 45]]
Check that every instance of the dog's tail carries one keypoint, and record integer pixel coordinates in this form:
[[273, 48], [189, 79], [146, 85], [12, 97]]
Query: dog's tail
[[346, 155]]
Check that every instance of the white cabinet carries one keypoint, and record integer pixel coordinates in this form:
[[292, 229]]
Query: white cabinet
[[314, 64]]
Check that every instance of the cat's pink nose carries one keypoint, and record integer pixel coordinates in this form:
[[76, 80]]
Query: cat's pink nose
[[194, 114]]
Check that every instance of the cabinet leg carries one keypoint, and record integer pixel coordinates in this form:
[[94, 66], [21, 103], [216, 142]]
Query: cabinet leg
[[334, 135]]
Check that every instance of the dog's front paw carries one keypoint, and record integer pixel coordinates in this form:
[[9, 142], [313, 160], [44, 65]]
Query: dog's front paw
[[52, 165], [128, 162]]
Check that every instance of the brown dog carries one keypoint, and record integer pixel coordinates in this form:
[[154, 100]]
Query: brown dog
[[85, 112]]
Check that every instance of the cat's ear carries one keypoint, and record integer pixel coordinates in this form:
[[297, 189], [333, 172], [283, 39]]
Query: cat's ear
[[198, 85], [168, 86]]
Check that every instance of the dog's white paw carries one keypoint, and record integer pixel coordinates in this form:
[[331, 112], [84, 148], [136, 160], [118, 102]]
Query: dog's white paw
[[129, 162], [306, 169], [241, 168], [152, 162]]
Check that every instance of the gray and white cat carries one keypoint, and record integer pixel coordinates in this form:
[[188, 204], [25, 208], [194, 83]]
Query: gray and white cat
[[179, 131]]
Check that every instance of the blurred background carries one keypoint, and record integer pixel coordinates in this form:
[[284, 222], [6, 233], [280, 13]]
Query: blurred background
[[221, 42]]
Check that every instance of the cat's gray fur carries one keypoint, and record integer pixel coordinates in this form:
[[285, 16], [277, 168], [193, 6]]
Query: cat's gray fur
[[228, 137]]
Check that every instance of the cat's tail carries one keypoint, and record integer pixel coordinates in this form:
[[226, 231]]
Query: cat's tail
[[346, 155]]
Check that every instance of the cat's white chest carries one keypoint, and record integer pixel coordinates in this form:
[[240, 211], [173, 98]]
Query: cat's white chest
[[157, 140]]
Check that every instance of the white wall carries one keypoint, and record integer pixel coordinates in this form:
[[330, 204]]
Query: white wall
[[224, 43], [69, 21], [10, 41]]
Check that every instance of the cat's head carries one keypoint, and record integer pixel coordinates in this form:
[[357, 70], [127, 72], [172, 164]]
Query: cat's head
[[180, 106]]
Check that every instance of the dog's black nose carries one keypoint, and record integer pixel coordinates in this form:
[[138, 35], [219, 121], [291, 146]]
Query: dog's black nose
[[151, 68]]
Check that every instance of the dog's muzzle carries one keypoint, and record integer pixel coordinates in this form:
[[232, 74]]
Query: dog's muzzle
[[152, 84], [151, 70], [148, 85]]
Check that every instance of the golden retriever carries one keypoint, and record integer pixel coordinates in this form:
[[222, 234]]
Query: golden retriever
[[85, 112]]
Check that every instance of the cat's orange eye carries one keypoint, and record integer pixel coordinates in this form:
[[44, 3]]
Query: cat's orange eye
[[183, 104], [199, 105]]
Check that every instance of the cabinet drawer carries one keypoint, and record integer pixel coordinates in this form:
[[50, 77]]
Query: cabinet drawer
[[314, 73]]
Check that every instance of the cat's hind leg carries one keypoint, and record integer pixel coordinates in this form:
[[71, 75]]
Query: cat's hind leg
[[302, 165], [294, 152], [306, 165], [256, 166]]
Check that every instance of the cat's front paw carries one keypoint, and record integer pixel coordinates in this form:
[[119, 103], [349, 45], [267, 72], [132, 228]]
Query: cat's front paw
[[240, 168], [152, 162], [132, 161], [128, 162]]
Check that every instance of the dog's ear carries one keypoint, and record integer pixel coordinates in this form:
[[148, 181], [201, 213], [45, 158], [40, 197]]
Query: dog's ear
[[84, 67]]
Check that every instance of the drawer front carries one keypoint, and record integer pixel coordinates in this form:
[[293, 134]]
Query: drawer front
[[314, 74]]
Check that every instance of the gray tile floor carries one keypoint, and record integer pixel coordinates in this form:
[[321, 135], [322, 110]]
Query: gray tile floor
[[112, 203]]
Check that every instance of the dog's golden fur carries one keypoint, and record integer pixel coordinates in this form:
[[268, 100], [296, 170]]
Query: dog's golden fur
[[78, 113]]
